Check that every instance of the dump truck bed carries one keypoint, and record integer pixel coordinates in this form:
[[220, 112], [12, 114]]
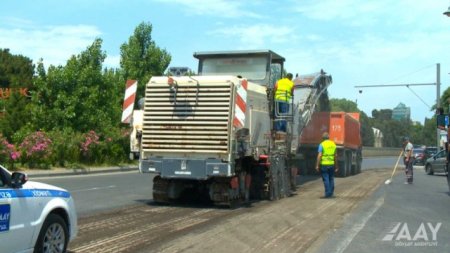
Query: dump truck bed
[[343, 128]]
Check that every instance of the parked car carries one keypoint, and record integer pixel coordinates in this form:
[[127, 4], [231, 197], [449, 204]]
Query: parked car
[[436, 163], [419, 156], [34, 217], [423, 153], [430, 151]]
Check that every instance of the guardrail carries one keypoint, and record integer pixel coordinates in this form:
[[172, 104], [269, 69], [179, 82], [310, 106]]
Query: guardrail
[[371, 151]]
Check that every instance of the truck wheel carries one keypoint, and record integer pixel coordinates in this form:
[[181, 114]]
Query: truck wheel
[[344, 166], [54, 235], [353, 166], [348, 163], [358, 166], [342, 169]]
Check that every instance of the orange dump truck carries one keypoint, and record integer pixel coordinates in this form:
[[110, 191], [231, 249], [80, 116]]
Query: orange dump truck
[[344, 130]]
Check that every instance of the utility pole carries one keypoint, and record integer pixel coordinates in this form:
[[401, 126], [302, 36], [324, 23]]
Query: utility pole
[[438, 100], [438, 94]]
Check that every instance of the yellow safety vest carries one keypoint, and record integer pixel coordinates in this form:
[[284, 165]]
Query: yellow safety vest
[[329, 149], [284, 88]]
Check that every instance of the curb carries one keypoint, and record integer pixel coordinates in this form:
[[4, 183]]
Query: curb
[[78, 171]]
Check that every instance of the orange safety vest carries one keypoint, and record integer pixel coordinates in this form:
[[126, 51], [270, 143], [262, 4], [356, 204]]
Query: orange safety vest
[[284, 88]]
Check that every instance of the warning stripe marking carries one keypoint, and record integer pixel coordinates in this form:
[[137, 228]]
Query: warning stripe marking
[[128, 102], [240, 106]]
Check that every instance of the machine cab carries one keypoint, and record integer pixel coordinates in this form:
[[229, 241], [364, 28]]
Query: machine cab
[[264, 67]]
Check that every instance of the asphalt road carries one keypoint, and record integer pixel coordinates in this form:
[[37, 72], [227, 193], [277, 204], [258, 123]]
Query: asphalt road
[[285, 226], [395, 218], [398, 218], [94, 193], [379, 162]]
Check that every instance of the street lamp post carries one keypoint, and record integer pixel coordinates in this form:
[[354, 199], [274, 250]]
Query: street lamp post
[[438, 100]]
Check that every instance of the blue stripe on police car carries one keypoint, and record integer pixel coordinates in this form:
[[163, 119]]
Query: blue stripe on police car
[[32, 193]]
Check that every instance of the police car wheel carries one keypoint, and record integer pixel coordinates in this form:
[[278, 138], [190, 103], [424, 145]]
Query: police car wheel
[[54, 235]]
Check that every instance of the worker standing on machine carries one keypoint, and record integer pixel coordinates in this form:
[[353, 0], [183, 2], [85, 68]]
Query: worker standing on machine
[[283, 93]]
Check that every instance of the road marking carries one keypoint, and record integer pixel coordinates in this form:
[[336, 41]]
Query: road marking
[[87, 174], [95, 188], [358, 226]]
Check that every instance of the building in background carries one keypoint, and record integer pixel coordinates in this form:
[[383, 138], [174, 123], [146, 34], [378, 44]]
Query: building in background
[[401, 112], [378, 138]]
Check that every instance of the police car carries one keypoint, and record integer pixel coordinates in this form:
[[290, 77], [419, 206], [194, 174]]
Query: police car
[[34, 217]]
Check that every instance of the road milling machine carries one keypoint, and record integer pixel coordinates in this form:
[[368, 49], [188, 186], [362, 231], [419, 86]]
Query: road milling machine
[[212, 135]]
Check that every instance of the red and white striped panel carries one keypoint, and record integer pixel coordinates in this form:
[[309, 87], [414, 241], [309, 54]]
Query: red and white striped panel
[[128, 102], [241, 104]]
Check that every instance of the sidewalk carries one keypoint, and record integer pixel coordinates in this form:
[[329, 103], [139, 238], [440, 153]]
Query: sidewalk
[[35, 173]]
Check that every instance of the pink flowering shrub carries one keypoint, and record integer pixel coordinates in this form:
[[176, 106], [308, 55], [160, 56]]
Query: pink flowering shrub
[[65, 147], [8, 152], [36, 150], [89, 144], [111, 147]]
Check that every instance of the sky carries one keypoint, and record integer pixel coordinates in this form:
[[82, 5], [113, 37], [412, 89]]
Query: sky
[[360, 43]]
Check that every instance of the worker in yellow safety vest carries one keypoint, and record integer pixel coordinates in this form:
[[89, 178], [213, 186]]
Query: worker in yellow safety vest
[[283, 93], [327, 164]]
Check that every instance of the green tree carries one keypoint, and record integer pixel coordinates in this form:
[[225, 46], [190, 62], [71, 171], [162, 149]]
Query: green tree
[[383, 114], [15, 116], [16, 71], [141, 58], [393, 131], [417, 135], [429, 132], [79, 95], [367, 135], [343, 105], [445, 100]]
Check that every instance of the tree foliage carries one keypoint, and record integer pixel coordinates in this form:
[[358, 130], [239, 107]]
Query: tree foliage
[[78, 95], [383, 114], [141, 58], [16, 71], [343, 105], [75, 102]]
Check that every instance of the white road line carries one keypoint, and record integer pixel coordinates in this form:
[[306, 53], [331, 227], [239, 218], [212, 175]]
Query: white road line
[[83, 175], [358, 226], [95, 188]]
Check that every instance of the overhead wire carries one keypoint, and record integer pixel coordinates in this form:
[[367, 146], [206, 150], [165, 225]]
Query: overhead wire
[[418, 96], [414, 72]]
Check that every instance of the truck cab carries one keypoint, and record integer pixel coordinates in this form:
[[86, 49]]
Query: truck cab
[[263, 67]]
